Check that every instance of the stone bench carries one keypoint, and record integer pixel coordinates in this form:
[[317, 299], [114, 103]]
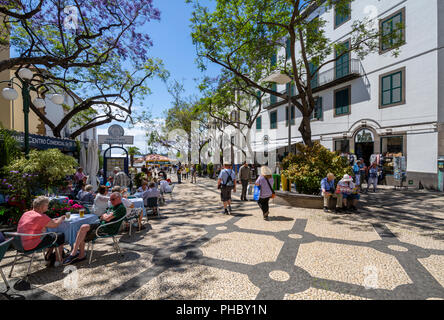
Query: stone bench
[[292, 199]]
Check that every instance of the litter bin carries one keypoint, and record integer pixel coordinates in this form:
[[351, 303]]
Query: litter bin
[[277, 182], [285, 183]]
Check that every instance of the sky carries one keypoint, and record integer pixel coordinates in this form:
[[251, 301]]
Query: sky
[[173, 44]]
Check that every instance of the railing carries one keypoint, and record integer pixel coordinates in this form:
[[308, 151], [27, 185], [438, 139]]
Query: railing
[[354, 69]]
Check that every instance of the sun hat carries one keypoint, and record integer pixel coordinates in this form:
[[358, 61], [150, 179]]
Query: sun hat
[[347, 178], [265, 171]]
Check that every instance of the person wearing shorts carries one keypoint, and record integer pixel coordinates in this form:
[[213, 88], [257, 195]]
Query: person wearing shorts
[[226, 182], [36, 222], [87, 232]]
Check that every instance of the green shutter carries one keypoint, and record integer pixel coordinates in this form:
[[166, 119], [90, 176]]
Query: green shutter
[[258, 123], [342, 101], [273, 120], [388, 30], [273, 98], [343, 63], [340, 19], [288, 49], [292, 115], [258, 98], [391, 89], [314, 81], [273, 60]]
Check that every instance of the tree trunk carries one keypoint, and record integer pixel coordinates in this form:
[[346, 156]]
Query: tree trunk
[[305, 130]]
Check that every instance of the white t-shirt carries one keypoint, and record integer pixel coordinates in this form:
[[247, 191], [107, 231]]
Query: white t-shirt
[[165, 186], [101, 203]]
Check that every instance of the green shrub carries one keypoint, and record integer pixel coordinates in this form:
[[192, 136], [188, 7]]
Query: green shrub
[[138, 179], [210, 169], [9, 148], [310, 165], [199, 169]]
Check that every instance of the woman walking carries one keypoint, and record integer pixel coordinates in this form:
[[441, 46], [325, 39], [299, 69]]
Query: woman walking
[[265, 182]]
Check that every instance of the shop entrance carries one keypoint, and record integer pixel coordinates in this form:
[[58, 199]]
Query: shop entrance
[[364, 145], [364, 150]]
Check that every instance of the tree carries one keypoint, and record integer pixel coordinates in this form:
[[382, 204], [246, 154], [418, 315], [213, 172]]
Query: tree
[[81, 33], [133, 151], [241, 36]]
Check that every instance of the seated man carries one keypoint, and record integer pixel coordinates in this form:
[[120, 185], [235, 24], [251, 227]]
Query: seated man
[[165, 186], [87, 232], [151, 196], [349, 191], [144, 187], [328, 190]]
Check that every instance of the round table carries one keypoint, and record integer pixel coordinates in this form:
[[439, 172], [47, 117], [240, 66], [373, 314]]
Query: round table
[[72, 226]]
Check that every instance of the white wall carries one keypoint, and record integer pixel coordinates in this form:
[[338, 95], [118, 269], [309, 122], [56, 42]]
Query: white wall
[[422, 152]]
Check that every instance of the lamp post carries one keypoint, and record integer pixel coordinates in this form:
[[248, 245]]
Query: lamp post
[[280, 78], [10, 94]]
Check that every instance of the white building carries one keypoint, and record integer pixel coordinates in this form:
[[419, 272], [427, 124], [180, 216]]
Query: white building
[[399, 102], [55, 113]]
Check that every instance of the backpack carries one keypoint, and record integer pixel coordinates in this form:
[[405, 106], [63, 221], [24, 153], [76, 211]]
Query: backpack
[[229, 182]]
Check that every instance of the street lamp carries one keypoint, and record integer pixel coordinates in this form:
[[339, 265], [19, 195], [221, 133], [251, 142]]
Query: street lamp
[[281, 78], [10, 94]]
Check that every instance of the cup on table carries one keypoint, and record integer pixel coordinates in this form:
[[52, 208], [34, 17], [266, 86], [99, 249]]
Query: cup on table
[[82, 213], [68, 215]]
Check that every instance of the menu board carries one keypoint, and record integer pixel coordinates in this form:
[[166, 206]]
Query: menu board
[[399, 168], [111, 163]]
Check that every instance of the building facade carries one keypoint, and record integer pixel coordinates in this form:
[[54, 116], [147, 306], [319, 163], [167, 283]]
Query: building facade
[[382, 104]]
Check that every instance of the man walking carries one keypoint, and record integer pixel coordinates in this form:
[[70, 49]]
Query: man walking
[[244, 177], [226, 182]]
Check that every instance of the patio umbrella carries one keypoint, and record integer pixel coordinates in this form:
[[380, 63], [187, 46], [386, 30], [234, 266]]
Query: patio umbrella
[[83, 162], [93, 163]]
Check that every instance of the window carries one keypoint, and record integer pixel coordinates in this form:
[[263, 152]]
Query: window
[[342, 65], [273, 99], [259, 123], [342, 146], [273, 120], [392, 145], [288, 49], [273, 60], [317, 111], [341, 19], [290, 89], [258, 98], [392, 88], [393, 31], [342, 101], [293, 109], [315, 78]]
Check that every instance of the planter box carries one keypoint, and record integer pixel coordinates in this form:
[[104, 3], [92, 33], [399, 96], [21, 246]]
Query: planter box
[[297, 200]]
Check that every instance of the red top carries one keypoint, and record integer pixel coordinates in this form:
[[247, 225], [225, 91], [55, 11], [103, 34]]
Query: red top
[[32, 222]]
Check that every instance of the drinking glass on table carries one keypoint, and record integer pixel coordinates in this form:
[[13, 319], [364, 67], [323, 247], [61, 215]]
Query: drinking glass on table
[[68, 215], [82, 212]]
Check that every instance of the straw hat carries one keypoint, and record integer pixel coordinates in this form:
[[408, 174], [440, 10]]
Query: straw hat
[[347, 178], [265, 171]]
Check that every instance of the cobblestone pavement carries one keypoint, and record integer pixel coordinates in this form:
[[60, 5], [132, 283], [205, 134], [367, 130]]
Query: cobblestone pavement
[[393, 248]]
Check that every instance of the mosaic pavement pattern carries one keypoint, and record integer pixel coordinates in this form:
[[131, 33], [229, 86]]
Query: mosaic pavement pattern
[[392, 249]]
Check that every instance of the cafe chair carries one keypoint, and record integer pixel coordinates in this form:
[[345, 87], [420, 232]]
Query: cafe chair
[[3, 248], [18, 246], [101, 234], [150, 205], [133, 215]]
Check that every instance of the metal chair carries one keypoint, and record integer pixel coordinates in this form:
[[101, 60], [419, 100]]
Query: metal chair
[[18, 246], [133, 214], [150, 205], [107, 235], [3, 248]]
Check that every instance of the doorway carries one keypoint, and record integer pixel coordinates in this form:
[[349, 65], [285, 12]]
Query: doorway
[[364, 150]]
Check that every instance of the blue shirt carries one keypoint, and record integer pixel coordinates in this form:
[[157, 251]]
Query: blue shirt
[[225, 173], [328, 185]]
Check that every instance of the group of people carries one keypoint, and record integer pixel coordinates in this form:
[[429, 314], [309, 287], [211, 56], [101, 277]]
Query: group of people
[[186, 171], [346, 193], [227, 183], [371, 174]]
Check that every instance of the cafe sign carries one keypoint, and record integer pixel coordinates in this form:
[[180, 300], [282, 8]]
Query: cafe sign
[[44, 142]]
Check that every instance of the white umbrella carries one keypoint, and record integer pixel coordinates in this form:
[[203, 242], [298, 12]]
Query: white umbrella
[[83, 163], [93, 163]]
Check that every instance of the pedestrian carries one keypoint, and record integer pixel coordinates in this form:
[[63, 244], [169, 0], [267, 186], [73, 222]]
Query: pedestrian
[[193, 172], [328, 190], [179, 175], [349, 192], [226, 182], [265, 181], [359, 170], [244, 177], [373, 176]]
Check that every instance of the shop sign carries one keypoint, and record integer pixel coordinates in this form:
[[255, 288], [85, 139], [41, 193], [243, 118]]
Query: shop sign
[[115, 136], [44, 142]]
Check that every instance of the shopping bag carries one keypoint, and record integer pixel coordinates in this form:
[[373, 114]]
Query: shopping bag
[[257, 193]]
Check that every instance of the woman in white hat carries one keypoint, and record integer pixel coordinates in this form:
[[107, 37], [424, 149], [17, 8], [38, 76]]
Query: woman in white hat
[[349, 191], [265, 182]]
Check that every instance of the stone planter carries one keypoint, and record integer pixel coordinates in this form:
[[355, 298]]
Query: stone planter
[[297, 200]]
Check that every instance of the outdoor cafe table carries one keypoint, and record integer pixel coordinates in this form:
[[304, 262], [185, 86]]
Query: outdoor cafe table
[[72, 226], [138, 203]]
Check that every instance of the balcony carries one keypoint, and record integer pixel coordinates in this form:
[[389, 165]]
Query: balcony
[[325, 80]]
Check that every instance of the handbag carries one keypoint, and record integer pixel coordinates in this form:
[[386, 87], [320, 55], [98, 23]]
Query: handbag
[[273, 195]]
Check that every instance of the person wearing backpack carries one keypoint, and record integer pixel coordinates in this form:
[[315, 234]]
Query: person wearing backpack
[[373, 176], [226, 182], [265, 182]]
